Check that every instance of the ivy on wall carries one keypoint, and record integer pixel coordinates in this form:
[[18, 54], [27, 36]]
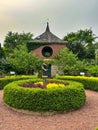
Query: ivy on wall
[[34, 45]]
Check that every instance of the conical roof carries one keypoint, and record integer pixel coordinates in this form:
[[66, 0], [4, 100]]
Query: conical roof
[[47, 36]]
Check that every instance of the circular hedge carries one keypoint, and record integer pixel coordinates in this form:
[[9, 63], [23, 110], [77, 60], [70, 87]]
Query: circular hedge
[[8, 79], [65, 98]]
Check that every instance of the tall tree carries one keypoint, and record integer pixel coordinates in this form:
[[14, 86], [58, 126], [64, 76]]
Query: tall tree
[[12, 40], [24, 62], [5, 66], [81, 43], [68, 62], [2, 58], [2, 55]]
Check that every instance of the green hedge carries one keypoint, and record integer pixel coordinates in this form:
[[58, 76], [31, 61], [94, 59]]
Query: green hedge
[[37, 99], [4, 81], [88, 82]]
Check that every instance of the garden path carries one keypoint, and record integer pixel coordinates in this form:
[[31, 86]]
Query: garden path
[[85, 118]]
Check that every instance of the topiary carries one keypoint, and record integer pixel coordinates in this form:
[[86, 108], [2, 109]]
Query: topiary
[[64, 98]]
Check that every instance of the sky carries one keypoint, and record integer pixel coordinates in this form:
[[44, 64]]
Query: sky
[[64, 16]]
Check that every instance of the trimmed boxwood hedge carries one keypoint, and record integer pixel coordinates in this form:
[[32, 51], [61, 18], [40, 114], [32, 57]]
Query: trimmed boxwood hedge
[[88, 82], [36, 99], [4, 81]]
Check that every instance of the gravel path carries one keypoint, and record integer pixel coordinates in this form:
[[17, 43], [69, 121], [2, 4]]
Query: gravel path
[[85, 118]]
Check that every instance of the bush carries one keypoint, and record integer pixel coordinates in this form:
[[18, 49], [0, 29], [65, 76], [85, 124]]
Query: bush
[[4, 81], [36, 99], [88, 82], [93, 70]]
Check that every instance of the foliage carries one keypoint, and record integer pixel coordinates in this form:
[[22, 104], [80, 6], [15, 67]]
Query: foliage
[[53, 99], [12, 40], [41, 85], [30, 85], [8, 79], [69, 63], [24, 62], [5, 66], [34, 45], [96, 56], [96, 45], [2, 55], [88, 82], [56, 85], [81, 43], [93, 70]]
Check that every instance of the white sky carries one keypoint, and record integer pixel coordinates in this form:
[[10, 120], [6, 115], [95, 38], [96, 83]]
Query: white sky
[[64, 16]]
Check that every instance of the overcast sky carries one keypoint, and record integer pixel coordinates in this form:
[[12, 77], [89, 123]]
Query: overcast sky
[[64, 16]]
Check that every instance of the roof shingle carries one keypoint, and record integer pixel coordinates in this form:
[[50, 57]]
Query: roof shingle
[[47, 36]]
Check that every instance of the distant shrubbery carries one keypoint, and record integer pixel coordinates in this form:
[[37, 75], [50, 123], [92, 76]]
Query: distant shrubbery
[[93, 70], [88, 82], [4, 81]]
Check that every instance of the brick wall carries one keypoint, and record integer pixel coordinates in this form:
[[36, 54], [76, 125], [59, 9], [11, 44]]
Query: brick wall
[[55, 48]]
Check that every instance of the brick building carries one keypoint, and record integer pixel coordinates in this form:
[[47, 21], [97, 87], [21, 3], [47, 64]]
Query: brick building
[[52, 44], [46, 46]]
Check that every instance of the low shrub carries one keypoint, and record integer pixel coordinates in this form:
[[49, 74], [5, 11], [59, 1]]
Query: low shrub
[[65, 98], [88, 82], [4, 81]]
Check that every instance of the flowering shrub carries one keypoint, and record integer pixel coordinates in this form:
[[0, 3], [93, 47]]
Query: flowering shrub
[[30, 85], [49, 85], [55, 85]]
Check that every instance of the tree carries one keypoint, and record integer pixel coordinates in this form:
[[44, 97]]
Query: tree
[[93, 70], [24, 62], [5, 66], [81, 43], [68, 62], [2, 55], [3, 63], [12, 40]]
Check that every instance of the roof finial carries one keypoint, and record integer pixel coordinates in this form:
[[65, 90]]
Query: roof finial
[[47, 28]]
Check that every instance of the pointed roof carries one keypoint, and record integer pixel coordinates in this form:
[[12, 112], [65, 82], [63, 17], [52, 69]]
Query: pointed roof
[[47, 36], [47, 28]]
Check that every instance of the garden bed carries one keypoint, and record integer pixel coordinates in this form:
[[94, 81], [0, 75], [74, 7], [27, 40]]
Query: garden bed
[[65, 98]]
